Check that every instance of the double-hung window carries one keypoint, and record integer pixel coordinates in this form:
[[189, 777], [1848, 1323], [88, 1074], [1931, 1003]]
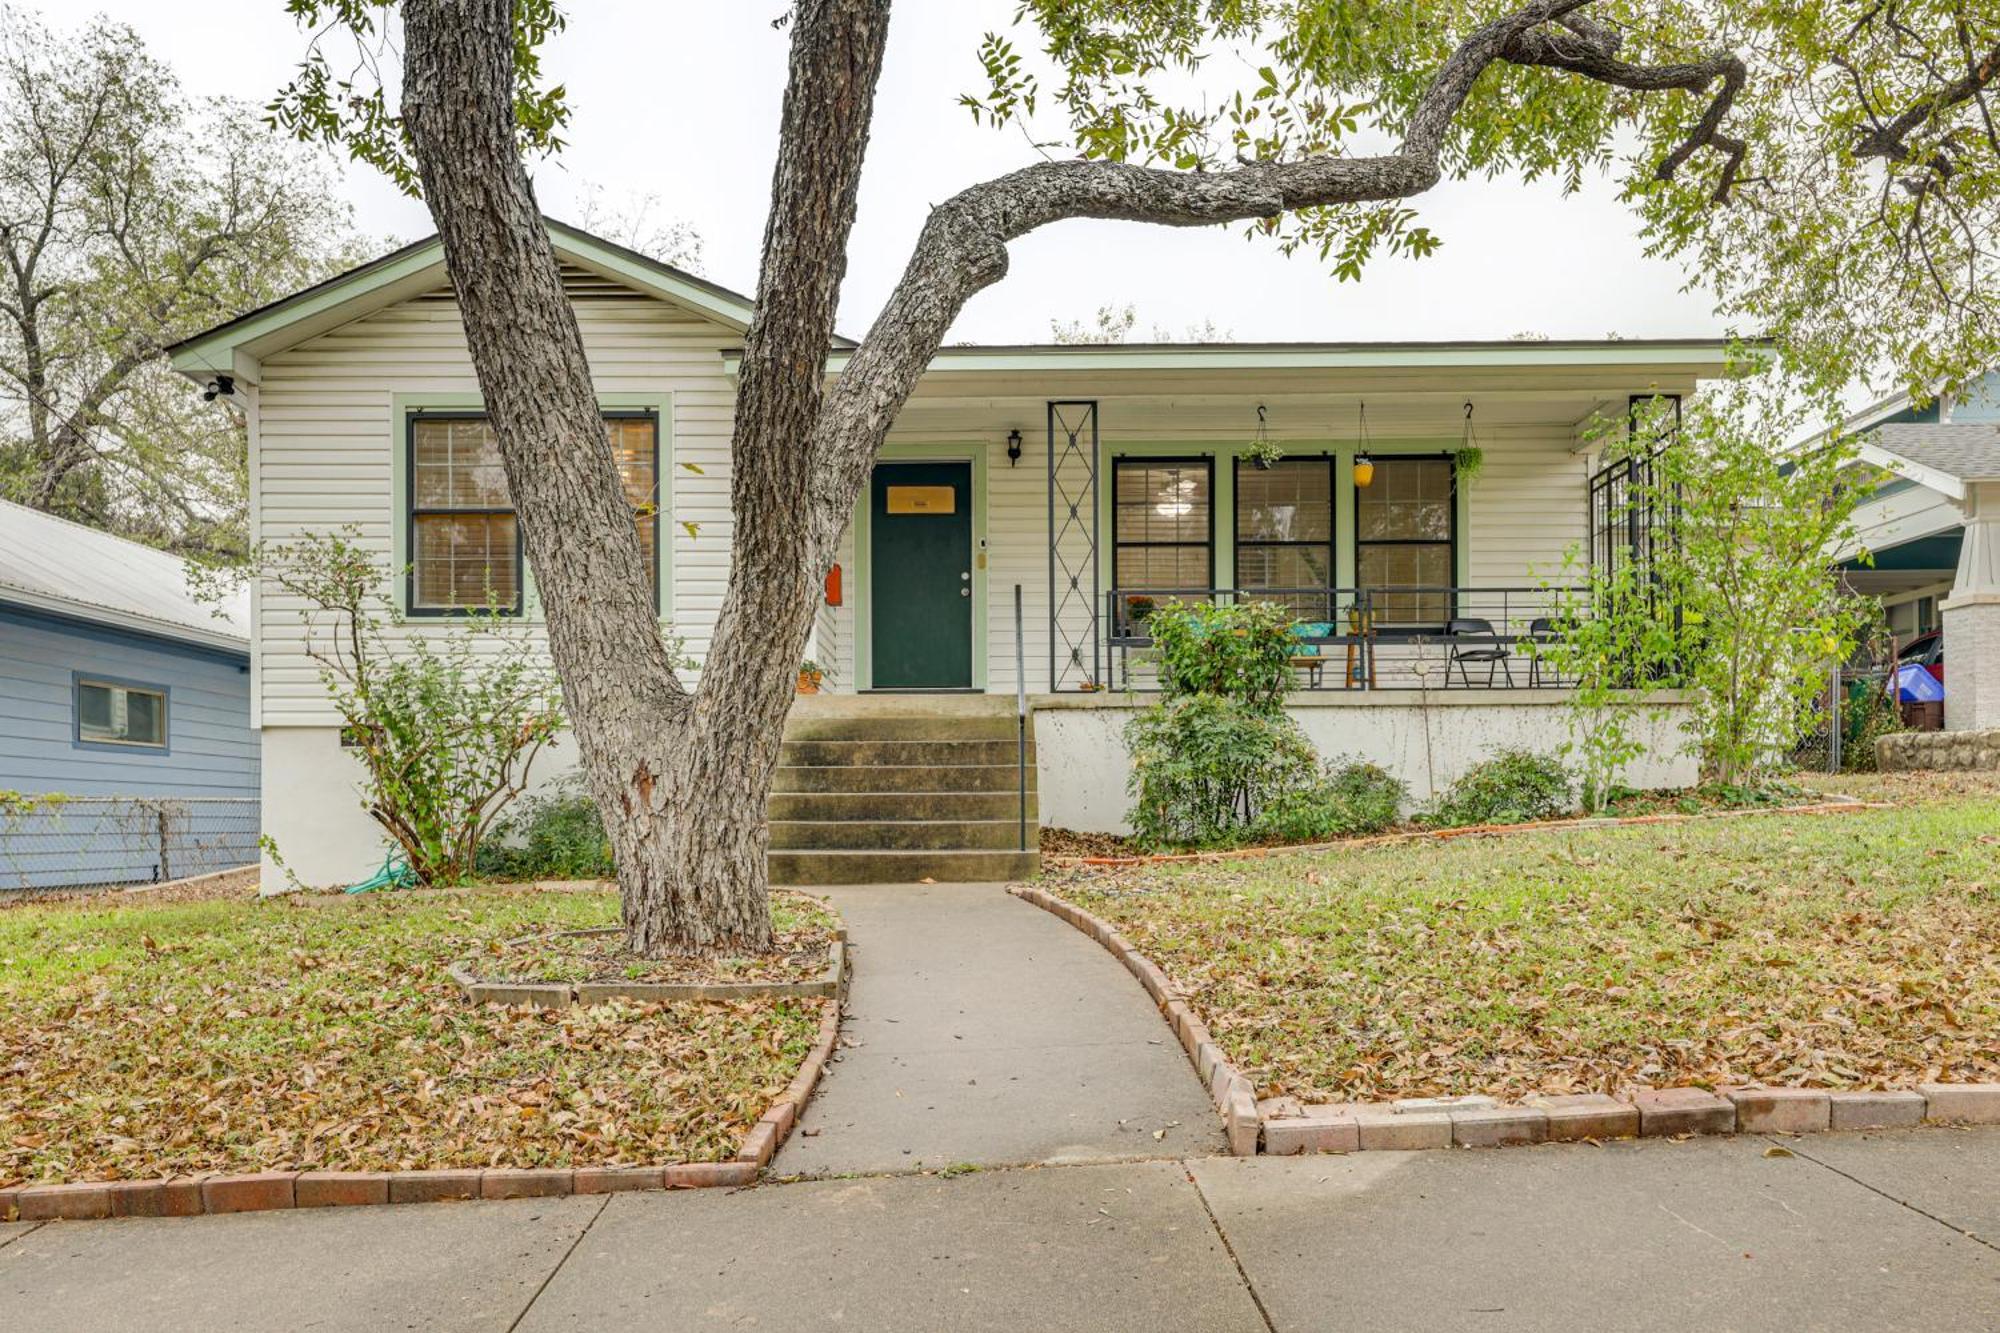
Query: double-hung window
[[464, 537], [1163, 526], [1406, 541], [1284, 534]]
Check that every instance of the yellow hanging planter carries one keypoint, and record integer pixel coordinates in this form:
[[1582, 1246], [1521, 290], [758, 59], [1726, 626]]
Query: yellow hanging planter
[[1364, 471]]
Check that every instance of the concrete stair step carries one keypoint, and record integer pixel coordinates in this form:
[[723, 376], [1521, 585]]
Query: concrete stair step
[[870, 753], [871, 805], [930, 778], [854, 835], [900, 867], [878, 727]]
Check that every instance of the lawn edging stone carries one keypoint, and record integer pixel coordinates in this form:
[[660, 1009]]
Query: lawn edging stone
[[1283, 1126], [263, 1191]]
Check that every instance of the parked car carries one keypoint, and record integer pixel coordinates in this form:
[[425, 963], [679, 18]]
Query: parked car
[[1927, 651]]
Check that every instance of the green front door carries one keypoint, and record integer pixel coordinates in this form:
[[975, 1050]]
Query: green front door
[[920, 581]]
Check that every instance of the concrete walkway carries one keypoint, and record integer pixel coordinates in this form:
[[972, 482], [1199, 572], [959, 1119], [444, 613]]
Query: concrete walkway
[[983, 1031], [1880, 1231]]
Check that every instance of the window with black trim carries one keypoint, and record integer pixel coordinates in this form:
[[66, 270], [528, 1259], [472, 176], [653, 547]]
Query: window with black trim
[[464, 536], [115, 713], [1284, 532], [1163, 525], [1406, 539]]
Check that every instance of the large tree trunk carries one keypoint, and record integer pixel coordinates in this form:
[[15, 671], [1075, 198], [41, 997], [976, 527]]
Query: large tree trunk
[[681, 780]]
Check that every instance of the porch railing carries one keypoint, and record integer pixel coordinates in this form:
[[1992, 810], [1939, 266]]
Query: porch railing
[[1398, 637]]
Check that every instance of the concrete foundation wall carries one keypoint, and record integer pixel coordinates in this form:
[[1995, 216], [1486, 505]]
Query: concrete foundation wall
[[1083, 768]]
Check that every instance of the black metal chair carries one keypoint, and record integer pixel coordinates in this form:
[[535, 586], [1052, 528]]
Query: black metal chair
[[1541, 630], [1493, 653]]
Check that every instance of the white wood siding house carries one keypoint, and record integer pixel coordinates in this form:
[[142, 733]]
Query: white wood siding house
[[355, 384]]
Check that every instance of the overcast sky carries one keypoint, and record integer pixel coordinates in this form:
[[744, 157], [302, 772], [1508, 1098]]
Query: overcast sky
[[681, 99]]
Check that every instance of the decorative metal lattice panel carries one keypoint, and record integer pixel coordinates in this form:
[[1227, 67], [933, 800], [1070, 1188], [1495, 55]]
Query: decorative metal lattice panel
[[1075, 647]]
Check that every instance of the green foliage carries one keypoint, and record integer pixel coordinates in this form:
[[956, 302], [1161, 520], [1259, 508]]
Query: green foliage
[[556, 836], [445, 723], [324, 105], [1866, 717], [1351, 800], [132, 216], [1846, 207], [1241, 652], [1204, 766], [1513, 787]]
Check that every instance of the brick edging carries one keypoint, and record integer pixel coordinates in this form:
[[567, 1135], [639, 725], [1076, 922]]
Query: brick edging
[[1235, 1097], [188, 1196], [1283, 1126]]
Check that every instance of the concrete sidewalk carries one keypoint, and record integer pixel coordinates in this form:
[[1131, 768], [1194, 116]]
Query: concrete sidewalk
[[1877, 1231], [983, 1031]]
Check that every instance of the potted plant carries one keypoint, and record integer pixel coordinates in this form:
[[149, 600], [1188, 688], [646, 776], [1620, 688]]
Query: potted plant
[[1139, 608], [810, 676]]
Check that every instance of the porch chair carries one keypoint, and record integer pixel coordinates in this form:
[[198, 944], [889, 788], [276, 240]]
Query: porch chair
[[1541, 630], [1494, 654]]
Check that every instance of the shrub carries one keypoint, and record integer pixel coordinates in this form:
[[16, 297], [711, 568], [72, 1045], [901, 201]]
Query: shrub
[[557, 836], [1356, 799], [1513, 787], [1241, 652], [1204, 766]]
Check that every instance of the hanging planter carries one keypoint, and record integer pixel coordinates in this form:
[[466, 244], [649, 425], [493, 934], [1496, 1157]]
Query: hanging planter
[[1364, 466], [1468, 458], [1262, 450]]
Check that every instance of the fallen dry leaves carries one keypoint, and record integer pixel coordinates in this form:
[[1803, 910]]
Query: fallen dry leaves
[[803, 928], [1858, 950], [298, 1034]]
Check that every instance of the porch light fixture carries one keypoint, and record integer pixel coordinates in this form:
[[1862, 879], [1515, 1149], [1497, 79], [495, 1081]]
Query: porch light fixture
[[1364, 466], [1013, 447]]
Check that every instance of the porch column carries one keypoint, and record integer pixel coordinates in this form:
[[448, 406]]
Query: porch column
[[1972, 617]]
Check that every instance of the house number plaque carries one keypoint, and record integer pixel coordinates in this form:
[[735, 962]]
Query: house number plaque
[[922, 500]]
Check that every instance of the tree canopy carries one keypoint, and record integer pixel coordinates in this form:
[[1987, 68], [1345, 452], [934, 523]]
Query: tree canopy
[[131, 217], [1831, 171]]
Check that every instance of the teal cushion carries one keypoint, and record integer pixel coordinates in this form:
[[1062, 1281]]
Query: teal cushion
[[1315, 629]]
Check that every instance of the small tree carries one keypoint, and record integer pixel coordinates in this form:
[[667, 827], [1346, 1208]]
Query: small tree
[[446, 727], [1737, 602]]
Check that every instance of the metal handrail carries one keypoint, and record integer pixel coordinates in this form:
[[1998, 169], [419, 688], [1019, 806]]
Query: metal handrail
[[1020, 721]]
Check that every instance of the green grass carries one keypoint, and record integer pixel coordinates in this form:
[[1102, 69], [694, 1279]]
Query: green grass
[[1835, 950], [303, 1033]]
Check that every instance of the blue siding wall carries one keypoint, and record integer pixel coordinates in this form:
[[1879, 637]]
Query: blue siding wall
[[1980, 401], [211, 750]]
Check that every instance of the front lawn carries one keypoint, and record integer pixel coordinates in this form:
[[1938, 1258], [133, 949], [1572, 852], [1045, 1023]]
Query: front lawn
[[1847, 950], [139, 1040]]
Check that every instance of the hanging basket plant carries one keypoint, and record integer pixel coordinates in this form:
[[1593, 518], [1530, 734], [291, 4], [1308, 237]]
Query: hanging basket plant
[[1468, 458], [1262, 450]]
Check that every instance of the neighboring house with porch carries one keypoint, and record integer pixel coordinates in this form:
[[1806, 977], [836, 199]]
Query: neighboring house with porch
[[1932, 537], [1079, 484], [126, 750]]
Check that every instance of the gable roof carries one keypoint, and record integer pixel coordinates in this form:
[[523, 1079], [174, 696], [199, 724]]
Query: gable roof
[[236, 347], [51, 564], [1942, 457]]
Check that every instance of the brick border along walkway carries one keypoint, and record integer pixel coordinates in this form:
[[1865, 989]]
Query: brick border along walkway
[[1282, 1126], [187, 1196]]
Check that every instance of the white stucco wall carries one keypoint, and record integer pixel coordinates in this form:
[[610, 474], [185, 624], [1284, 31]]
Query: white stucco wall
[[1428, 742]]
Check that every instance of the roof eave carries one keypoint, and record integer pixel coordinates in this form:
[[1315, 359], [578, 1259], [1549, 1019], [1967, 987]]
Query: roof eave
[[110, 617]]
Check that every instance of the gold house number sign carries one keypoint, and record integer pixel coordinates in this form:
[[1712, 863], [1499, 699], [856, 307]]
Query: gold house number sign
[[922, 500]]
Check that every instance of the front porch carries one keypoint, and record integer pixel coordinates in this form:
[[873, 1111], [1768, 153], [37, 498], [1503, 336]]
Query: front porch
[[1413, 505]]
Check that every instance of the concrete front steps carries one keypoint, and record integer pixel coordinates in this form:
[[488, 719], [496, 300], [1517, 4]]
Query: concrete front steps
[[881, 789]]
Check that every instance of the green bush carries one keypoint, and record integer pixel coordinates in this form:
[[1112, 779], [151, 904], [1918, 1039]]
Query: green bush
[[1241, 652], [1513, 787], [558, 836], [1353, 800], [1205, 766]]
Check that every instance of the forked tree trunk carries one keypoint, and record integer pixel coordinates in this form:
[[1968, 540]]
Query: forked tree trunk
[[680, 779]]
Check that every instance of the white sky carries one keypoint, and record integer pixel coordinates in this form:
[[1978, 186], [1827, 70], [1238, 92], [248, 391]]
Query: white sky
[[681, 99]]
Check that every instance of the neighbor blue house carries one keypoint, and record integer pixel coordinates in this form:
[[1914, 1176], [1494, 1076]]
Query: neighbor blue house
[[126, 751]]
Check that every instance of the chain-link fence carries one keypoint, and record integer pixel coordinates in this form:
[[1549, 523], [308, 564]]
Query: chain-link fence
[[1856, 706], [85, 842]]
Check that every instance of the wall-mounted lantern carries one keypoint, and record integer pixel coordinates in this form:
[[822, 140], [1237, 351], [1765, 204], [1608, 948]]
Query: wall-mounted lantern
[[1013, 447]]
